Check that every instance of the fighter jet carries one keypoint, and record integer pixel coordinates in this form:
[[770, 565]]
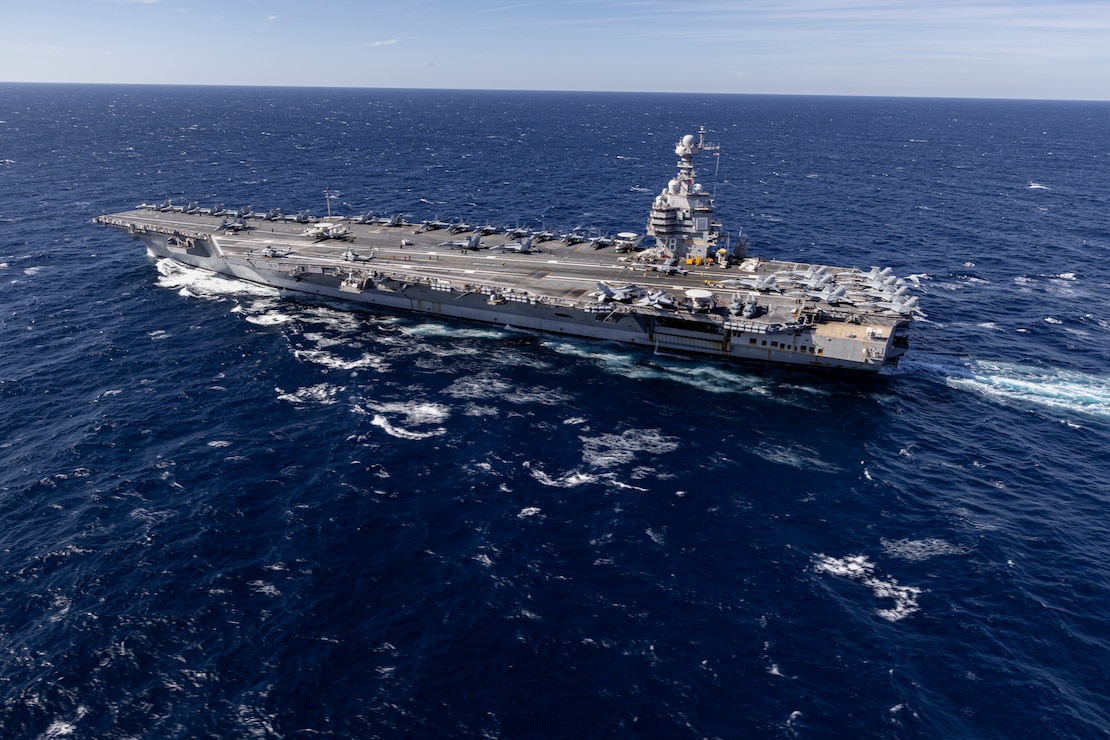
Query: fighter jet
[[656, 298], [833, 295], [667, 267], [474, 241], [233, 225], [906, 306], [433, 225], [762, 283], [525, 247], [627, 292], [573, 237]]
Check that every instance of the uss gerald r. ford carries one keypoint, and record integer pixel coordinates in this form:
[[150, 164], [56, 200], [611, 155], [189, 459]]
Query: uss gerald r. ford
[[692, 290]]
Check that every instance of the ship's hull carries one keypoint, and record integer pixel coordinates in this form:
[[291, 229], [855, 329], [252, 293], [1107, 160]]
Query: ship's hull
[[603, 321]]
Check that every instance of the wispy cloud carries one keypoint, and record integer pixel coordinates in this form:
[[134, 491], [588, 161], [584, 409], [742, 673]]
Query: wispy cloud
[[376, 44], [507, 7]]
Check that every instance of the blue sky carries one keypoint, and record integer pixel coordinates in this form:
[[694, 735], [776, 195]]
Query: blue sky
[[942, 48]]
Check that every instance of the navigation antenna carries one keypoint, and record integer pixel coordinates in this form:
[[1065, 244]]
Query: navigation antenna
[[328, 195], [716, 169]]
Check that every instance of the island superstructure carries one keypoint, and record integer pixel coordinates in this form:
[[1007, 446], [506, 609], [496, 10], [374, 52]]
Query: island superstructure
[[684, 287]]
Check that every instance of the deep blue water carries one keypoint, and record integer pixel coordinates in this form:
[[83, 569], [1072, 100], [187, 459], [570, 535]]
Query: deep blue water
[[227, 514]]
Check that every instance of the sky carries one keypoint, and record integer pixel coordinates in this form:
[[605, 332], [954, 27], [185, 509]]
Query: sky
[[1053, 50]]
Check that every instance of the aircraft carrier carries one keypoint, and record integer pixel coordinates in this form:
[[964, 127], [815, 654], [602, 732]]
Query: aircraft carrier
[[680, 286]]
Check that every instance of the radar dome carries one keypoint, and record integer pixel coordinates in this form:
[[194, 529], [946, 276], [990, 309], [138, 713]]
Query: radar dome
[[688, 140]]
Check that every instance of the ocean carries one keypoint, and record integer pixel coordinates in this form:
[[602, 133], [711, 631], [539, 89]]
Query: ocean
[[231, 514]]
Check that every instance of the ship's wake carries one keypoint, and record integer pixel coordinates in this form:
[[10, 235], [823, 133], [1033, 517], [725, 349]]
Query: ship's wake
[[1062, 390]]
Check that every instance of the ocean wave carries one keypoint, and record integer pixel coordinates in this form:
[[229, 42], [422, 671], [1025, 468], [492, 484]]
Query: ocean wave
[[923, 549], [712, 377], [802, 458], [859, 568], [573, 479], [412, 414], [335, 362], [392, 430], [322, 394], [610, 450]]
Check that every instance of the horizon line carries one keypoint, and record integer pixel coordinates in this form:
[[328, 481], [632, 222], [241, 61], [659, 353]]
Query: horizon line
[[552, 90]]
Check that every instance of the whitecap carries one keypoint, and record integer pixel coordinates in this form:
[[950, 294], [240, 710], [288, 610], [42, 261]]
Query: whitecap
[[859, 568], [797, 456], [608, 450], [269, 319], [478, 386], [59, 728], [432, 329], [923, 549], [711, 377], [266, 589], [1037, 186], [335, 362], [570, 480], [414, 414], [528, 511], [323, 394]]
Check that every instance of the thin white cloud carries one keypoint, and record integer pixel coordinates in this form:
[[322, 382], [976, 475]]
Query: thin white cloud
[[507, 7], [376, 44]]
